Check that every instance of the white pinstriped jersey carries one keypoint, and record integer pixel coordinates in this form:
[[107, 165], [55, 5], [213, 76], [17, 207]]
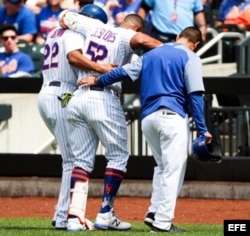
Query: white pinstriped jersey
[[104, 43], [56, 66]]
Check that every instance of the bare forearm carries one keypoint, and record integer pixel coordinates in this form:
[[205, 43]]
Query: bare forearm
[[144, 42], [77, 60], [200, 19], [81, 62], [141, 12], [201, 23]]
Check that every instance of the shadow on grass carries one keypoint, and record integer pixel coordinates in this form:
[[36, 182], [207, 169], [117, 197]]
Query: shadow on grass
[[26, 228]]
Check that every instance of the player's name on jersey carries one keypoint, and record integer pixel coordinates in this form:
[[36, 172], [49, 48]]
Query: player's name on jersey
[[236, 227], [104, 34], [57, 33]]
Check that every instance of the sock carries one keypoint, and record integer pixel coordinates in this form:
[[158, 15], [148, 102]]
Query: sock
[[78, 176], [112, 182]]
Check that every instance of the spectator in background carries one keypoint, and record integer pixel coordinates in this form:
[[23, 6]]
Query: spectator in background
[[234, 12], [207, 5], [81, 3], [47, 19], [224, 9], [169, 18], [16, 13], [108, 6], [127, 7], [13, 63], [118, 9], [35, 5]]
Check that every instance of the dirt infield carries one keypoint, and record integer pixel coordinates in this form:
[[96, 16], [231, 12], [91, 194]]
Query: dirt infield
[[188, 210]]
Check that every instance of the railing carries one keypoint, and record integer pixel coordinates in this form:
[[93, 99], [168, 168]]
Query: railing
[[243, 56], [217, 40], [231, 127]]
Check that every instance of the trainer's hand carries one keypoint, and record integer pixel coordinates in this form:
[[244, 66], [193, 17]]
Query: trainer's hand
[[87, 81], [208, 137]]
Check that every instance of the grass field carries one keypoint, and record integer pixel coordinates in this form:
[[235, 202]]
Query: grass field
[[42, 227]]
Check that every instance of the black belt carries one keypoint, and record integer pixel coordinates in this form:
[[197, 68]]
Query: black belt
[[168, 113], [165, 111], [102, 89], [164, 37], [96, 88], [55, 83]]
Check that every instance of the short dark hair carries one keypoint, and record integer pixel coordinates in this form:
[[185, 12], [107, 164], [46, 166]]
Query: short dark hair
[[135, 19], [6, 27], [192, 34]]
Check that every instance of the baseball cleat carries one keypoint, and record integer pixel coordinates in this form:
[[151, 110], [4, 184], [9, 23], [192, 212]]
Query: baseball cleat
[[109, 221], [53, 223], [173, 229], [75, 225], [149, 219]]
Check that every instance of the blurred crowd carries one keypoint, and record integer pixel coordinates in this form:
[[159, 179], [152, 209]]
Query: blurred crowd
[[33, 19]]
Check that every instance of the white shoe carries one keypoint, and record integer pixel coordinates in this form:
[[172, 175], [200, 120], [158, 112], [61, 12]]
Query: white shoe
[[75, 225], [109, 221]]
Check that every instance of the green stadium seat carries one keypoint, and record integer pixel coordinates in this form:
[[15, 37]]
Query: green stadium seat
[[37, 57], [24, 46]]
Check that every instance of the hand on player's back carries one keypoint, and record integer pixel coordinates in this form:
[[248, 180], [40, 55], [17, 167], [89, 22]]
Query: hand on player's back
[[87, 81]]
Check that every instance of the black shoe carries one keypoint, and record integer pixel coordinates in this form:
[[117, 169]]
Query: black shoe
[[173, 229], [53, 223], [149, 219], [61, 228]]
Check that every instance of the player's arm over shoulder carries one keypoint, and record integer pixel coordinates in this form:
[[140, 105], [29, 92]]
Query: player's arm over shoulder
[[144, 42], [80, 23]]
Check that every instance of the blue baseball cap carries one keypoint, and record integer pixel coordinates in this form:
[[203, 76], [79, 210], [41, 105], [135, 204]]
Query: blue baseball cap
[[14, 1]]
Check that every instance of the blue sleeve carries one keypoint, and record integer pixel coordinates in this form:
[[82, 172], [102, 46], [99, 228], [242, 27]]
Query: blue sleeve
[[225, 7], [26, 21], [2, 15], [221, 12], [101, 1], [114, 76], [146, 5], [133, 7], [26, 64], [196, 106]]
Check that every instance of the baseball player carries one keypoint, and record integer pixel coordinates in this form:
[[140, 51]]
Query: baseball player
[[95, 114], [177, 83], [59, 77]]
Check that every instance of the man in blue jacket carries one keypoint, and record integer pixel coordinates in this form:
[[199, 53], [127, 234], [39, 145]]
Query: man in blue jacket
[[171, 84]]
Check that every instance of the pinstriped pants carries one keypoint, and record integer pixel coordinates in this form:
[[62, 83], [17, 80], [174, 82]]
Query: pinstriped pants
[[54, 116], [93, 116]]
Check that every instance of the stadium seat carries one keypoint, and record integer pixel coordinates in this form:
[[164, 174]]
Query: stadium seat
[[37, 57], [24, 46], [5, 112]]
